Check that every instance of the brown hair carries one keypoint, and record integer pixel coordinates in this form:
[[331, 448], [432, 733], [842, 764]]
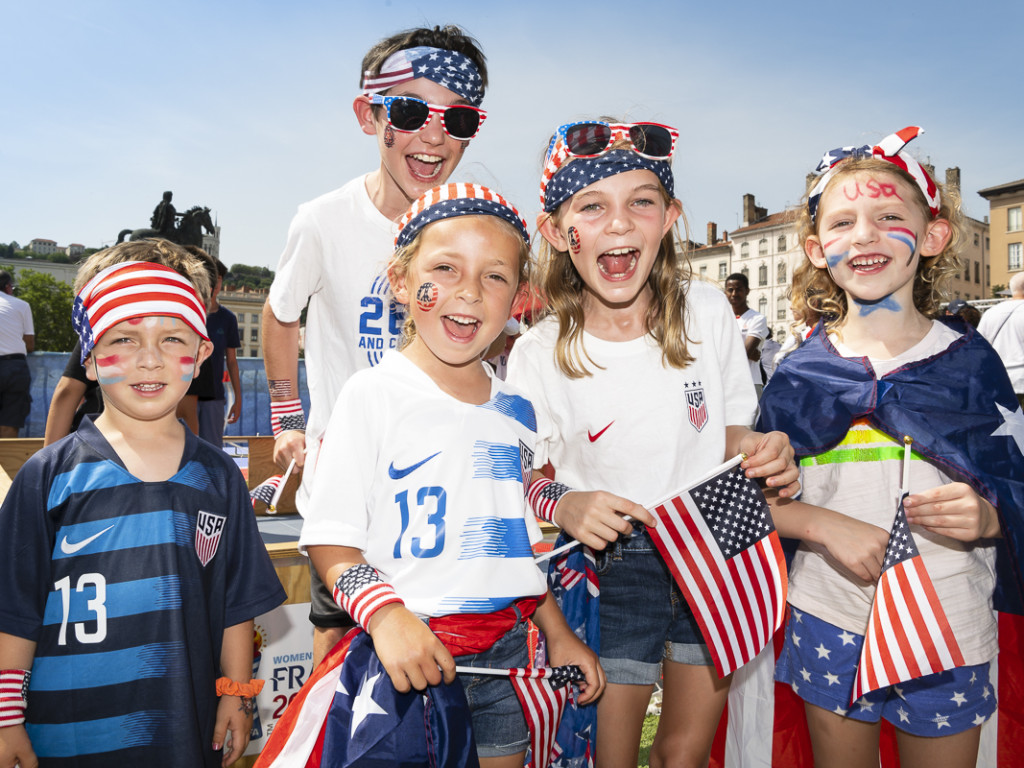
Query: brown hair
[[819, 291], [449, 37], [562, 287], [190, 266]]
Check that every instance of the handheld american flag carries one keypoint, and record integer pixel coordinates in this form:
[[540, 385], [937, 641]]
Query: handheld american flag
[[719, 542], [908, 635], [266, 490], [543, 692]]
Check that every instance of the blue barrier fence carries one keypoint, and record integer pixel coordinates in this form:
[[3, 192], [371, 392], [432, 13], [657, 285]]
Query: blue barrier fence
[[47, 367]]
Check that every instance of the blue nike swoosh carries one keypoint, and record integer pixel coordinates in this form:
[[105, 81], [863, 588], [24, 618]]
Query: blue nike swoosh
[[398, 474]]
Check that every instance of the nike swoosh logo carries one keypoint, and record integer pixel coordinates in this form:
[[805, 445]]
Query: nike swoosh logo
[[69, 549], [398, 474], [593, 437]]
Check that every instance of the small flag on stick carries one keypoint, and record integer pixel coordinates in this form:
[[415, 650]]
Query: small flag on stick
[[269, 491]]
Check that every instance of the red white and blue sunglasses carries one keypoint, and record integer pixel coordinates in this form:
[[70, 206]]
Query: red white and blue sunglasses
[[409, 114], [593, 138]]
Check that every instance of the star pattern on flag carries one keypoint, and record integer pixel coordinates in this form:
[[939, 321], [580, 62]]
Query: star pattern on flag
[[364, 704], [1012, 426], [735, 512]]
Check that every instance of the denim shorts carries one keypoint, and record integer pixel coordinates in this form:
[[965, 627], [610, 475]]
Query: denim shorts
[[819, 662], [499, 727], [644, 616]]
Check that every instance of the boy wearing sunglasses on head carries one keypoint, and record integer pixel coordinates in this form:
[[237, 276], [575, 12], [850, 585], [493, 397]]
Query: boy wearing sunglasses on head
[[420, 95]]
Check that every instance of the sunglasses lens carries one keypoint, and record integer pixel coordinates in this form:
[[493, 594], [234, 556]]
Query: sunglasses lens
[[408, 114], [588, 138], [651, 140], [461, 122]]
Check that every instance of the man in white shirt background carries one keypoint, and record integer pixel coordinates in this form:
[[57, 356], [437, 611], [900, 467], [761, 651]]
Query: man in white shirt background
[[17, 339], [753, 325], [1003, 327]]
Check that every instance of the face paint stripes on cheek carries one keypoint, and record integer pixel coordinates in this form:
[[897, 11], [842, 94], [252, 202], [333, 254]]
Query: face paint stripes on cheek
[[426, 297], [905, 236]]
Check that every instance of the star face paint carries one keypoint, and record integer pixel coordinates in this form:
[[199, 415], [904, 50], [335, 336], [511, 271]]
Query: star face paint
[[574, 240], [426, 297]]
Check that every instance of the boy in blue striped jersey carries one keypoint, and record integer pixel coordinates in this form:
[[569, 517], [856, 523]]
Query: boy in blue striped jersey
[[131, 558]]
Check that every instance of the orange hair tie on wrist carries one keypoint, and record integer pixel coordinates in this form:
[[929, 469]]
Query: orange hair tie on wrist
[[228, 687]]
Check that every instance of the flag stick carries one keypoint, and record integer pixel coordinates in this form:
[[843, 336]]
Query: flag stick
[[556, 551], [480, 671], [905, 483], [272, 507]]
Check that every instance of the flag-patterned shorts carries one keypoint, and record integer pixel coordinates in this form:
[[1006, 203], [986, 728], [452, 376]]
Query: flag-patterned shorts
[[819, 662]]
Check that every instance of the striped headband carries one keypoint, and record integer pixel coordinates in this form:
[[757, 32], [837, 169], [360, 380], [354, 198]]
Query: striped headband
[[134, 289], [450, 200], [891, 149], [561, 179], [449, 69]]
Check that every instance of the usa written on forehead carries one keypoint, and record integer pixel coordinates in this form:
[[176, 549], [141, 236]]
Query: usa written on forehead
[[870, 187]]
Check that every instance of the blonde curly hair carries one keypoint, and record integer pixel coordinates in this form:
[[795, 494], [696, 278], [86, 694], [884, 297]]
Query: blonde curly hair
[[814, 286]]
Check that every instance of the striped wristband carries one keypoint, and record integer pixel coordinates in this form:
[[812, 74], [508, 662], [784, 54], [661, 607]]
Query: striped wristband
[[286, 415], [544, 495], [360, 592], [13, 693]]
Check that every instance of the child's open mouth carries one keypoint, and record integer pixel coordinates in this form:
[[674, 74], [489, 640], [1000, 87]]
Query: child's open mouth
[[869, 264], [460, 327], [425, 167], [618, 263], [148, 388]]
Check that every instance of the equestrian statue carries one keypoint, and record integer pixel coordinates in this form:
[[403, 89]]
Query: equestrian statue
[[165, 224]]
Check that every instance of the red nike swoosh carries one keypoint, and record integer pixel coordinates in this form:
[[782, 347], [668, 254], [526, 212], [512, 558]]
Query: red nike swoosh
[[593, 437]]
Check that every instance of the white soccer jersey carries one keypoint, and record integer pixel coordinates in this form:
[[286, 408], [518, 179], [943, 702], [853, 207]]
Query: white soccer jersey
[[636, 427], [431, 489]]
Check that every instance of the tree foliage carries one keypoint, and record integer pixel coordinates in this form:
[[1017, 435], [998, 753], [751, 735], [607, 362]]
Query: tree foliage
[[51, 301], [244, 276]]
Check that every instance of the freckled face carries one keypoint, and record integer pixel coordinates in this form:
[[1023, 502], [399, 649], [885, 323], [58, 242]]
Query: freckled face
[[869, 226]]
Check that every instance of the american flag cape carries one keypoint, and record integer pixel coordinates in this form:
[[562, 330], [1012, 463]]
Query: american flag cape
[[718, 540], [349, 715], [543, 692], [574, 584], [908, 635]]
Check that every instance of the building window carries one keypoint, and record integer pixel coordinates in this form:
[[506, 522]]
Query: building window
[[1014, 260], [723, 270], [967, 271], [746, 271], [762, 275], [762, 247], [254, 335], [977, 239], [254, 319], [781, 273], [782, 243], [744, 250], [703, 271], [1013, 220], [780, 313], [977, 272], [762, 305]]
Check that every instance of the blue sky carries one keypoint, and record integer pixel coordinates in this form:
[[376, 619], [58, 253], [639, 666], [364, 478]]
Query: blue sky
[[246, 106]]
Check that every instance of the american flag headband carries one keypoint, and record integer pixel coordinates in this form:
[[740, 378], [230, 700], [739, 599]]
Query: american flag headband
[[134, 289], [890, 149], [562, 178], [457, 199], [449, 69]]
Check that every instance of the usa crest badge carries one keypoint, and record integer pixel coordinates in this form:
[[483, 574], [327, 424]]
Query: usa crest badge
[[209, 528], [526, 463], [696, 406]]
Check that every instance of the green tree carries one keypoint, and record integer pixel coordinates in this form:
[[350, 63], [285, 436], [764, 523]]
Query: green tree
[[245, 276], [51, 302], [996, 289]]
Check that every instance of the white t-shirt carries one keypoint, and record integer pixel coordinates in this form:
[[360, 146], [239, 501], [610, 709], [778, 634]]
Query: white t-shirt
[[335, 258], [431, 489], [636, 427], [861, 478], [753, 323], [1007, 338], [15, 324]]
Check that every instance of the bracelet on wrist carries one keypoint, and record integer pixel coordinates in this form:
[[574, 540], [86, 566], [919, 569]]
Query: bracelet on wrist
[[360, 592], [286, 415], [544, 495], [13, 696]]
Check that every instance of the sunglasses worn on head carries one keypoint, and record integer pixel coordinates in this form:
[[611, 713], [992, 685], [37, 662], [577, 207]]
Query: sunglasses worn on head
[[592, 138], [408, 115]]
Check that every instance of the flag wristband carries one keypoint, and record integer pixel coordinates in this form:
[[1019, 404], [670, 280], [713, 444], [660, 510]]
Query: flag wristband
[[544, 495], [286, 415], [228, 687], [360, 592], [13, 696]]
